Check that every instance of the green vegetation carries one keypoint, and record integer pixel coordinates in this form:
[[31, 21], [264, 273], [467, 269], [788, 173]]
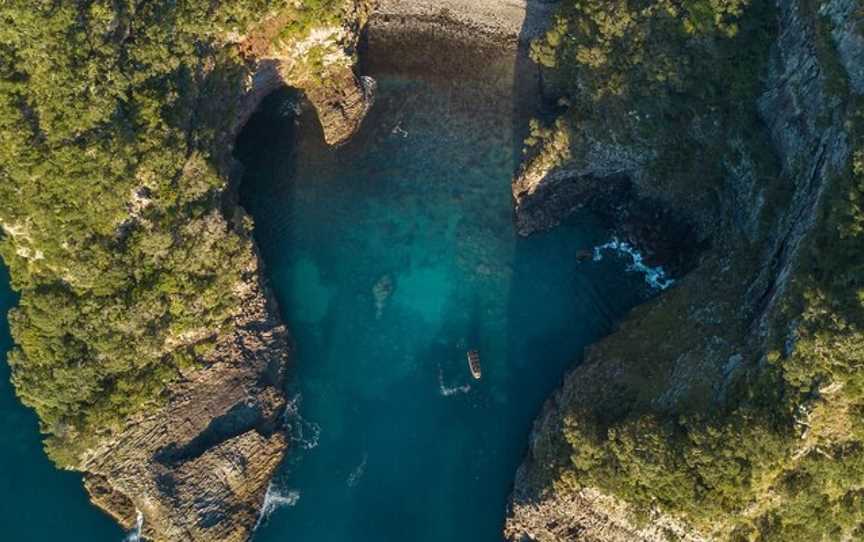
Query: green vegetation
[[678, 77], [311, 13], [781, 457], [112, 167]]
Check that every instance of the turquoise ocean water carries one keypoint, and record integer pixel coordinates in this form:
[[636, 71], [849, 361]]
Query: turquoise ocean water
[[390, 258]]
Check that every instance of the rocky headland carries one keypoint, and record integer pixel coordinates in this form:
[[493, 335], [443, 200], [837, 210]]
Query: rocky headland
[[742, 248], [198, 467]]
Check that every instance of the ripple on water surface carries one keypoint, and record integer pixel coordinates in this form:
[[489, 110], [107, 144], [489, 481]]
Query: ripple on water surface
[[391, 257]]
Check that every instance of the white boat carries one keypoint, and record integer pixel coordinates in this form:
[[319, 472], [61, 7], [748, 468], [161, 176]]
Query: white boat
[[474, 364]]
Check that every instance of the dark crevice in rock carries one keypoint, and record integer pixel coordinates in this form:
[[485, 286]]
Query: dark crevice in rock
[[664, 235], [240, 419]]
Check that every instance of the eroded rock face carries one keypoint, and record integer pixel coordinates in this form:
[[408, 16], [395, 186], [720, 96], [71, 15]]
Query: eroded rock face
[[321, 64], [714, 323], [198, 468], [342, 102]]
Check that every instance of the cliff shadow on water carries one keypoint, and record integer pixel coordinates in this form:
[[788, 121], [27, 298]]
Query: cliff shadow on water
[[393, 255]]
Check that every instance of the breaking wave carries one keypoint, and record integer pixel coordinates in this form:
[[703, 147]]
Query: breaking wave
[[275, 499], [301, 432], [135, 535], [655, 276]]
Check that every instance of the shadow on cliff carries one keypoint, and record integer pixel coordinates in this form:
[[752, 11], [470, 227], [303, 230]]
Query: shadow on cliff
[[557, 311]]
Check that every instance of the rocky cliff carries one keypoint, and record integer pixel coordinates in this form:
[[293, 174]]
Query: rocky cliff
[[198, 467], [615, 454]]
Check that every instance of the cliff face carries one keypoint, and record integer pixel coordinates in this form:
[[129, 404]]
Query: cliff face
[[321, 64], [198, 467], [682, 356]]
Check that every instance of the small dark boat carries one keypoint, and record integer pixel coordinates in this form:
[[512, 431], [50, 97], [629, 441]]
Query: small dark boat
[[474, 364]]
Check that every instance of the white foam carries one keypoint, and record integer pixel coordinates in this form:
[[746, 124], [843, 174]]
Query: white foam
[[135, 535], [357, 473], [301, 432], [655, 276], [448, 391], [275, 499]]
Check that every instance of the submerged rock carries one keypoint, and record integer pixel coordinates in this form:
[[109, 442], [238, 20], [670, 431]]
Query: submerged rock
[[382, 291]]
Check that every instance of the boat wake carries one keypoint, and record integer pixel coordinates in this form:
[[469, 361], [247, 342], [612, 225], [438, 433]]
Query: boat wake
[[135, 535], [655, 276], [356, 474], [275, 499], [301, 432], [447, 391]]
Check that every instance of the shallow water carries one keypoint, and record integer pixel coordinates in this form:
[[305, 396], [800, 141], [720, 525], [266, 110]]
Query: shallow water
[[38, 503], [390, 258]]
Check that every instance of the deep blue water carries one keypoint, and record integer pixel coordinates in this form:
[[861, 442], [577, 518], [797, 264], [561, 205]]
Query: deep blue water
[[390, 258], [38, 503]]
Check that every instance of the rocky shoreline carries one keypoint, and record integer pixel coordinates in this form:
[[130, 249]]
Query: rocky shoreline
[[522, 20], [688, 345], [198, 468]]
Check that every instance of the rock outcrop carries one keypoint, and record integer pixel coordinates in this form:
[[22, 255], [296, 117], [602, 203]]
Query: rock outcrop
[[715, 323], [198, 468], [321, 64]]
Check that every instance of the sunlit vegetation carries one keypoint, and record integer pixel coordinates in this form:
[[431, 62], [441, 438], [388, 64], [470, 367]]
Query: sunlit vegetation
[[111, 175], [782, 457]]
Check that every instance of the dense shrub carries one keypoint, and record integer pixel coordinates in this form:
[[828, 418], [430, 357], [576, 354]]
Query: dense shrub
[[111, 173], [781, 457]]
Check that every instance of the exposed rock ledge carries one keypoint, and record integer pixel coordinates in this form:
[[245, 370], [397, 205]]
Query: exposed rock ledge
[[197, 469], [525, 19]]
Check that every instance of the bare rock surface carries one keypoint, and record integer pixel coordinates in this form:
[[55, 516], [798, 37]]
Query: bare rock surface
[[524, 18], [197, 469]]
